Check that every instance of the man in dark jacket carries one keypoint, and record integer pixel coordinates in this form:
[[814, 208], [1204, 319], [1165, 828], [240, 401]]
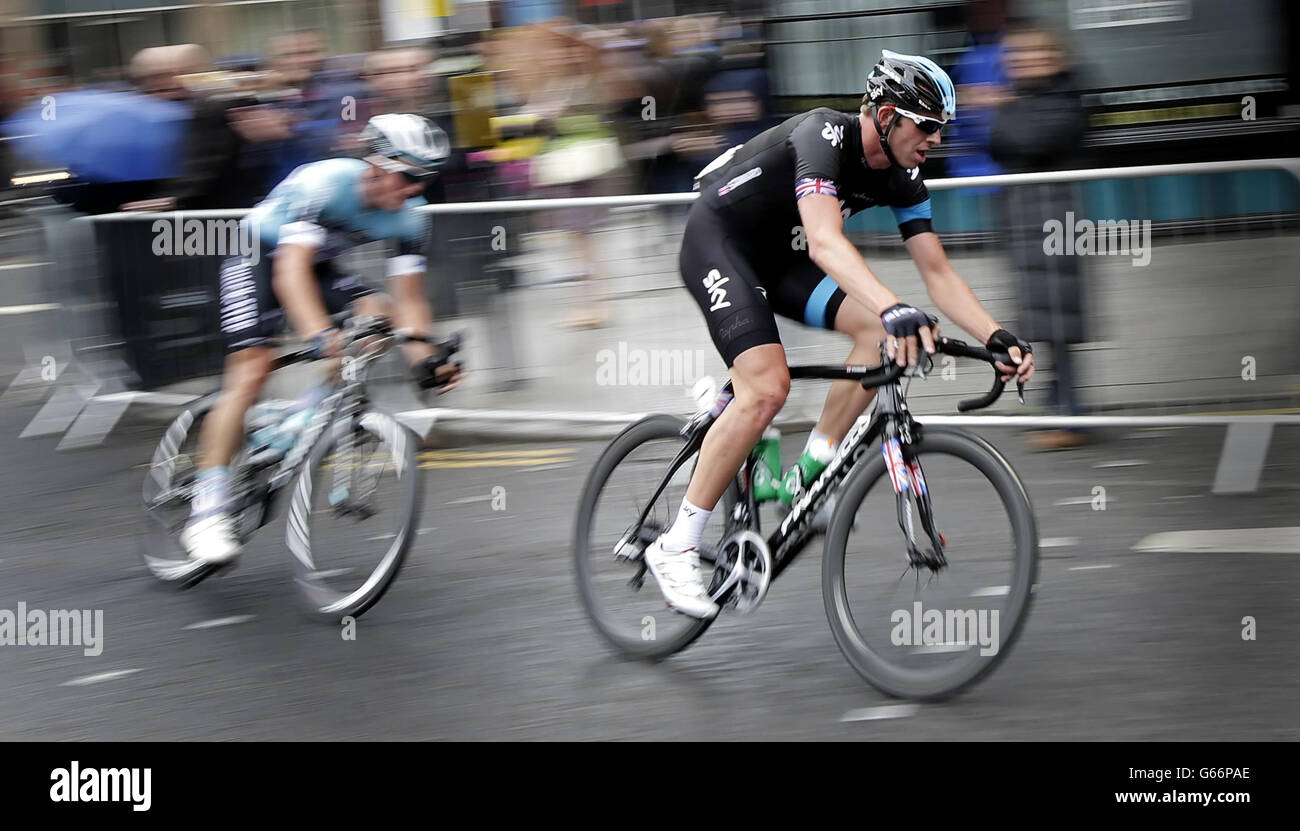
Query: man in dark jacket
[[1039, 126]]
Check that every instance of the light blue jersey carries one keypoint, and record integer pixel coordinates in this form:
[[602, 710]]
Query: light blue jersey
[[319, 205]]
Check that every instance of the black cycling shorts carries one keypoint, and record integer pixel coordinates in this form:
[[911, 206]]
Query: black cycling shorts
[[250, 312], [740, 287]]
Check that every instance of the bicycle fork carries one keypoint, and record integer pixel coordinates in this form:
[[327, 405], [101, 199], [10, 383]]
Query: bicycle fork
[[908, 481]]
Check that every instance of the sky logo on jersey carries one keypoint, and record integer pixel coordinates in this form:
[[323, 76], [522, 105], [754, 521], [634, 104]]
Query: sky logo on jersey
[[807, 187], [740, 180], [714, 282], [833, 133]]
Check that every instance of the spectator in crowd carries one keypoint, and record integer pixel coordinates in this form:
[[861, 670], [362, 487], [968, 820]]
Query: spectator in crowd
[[313, 111], [981, 85], [582, 157], [1039, 125]]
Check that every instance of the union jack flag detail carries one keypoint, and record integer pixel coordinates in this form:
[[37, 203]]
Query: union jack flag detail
[[807, 187], [898, 473]]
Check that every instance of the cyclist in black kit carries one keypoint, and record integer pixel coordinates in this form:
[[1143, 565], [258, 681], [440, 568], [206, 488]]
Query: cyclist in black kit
[[742, 260]]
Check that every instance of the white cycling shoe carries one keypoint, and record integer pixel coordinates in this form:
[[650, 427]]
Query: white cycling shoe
[[211, 539], [681, 580]]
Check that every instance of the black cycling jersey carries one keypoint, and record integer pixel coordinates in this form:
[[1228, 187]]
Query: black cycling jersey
[[744, 256], [755, 187]]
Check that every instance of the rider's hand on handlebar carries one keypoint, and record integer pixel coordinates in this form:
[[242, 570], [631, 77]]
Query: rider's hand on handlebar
[[327, 343], [438, 372], [909, 331], [1021, 352]]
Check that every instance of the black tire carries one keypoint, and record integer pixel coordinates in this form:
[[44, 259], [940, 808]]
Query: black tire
[[171, 470], [331, 599], [886, 669], [626, 631]]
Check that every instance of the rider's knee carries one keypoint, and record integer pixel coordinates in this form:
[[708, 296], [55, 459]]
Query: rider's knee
[[769, 396], [246, 376]]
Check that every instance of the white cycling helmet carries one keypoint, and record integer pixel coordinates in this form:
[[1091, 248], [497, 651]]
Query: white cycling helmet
[[403, 143]]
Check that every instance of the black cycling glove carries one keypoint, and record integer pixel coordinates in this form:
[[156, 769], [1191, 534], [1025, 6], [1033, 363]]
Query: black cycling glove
[[902, 320], [1002, 341], [425, 372]]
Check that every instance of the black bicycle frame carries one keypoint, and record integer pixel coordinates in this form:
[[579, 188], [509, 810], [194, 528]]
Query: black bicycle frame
[[791, 536], [890, 419]]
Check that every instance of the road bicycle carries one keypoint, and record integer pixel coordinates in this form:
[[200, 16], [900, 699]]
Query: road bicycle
[[959, 512], [356, 485]]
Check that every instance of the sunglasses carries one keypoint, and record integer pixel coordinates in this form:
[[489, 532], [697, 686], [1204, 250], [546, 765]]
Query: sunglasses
[[924, 123]]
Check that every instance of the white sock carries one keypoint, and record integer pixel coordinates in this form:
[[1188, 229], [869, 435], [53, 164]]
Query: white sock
[[820, 446], [687, 528], [211, 493]]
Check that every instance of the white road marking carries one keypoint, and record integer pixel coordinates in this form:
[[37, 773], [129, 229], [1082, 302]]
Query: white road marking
[[86, 680], [876, 713], [29, 308], [1082, 500], [1284, 540], [1120, 463], [992, 591], [1058, 542], [13, 266], [1090, 568], [468, 499], [220, 621]]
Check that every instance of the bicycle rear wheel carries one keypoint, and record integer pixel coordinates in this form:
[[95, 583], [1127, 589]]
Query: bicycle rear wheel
[[355, 508], [925, 636], [620, 596]]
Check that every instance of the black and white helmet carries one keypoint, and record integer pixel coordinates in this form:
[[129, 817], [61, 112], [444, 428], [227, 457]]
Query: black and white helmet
[[912, 82], [403, 143]]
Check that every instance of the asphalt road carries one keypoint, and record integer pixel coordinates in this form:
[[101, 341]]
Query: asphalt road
[[482, 636]]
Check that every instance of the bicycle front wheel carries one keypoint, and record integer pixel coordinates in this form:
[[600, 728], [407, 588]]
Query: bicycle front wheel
[[356, 505], [920, 635]]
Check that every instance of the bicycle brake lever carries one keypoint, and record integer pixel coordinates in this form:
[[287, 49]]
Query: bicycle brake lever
[[1020, 391]]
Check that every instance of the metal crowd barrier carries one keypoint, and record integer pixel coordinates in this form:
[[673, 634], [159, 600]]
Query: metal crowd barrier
[[1205, 321]]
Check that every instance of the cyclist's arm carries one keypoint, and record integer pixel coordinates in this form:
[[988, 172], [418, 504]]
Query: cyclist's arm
[[823, 226], [411, 308], [294, 281], [947, 288], [954, 297]]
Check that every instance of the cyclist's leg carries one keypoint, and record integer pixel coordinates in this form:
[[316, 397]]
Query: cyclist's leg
[[241, 384], [809, 295], [847, 400], [726, 287], [724, 284], [249, 317]]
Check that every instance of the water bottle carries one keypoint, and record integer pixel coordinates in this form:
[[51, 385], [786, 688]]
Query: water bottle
[[290, 428], [767, 472], [264, 423]]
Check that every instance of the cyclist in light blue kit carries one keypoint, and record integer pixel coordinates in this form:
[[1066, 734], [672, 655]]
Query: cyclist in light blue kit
[[321, 210]]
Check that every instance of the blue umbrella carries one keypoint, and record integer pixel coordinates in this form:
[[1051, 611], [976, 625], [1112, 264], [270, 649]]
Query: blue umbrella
[[103, 136]]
